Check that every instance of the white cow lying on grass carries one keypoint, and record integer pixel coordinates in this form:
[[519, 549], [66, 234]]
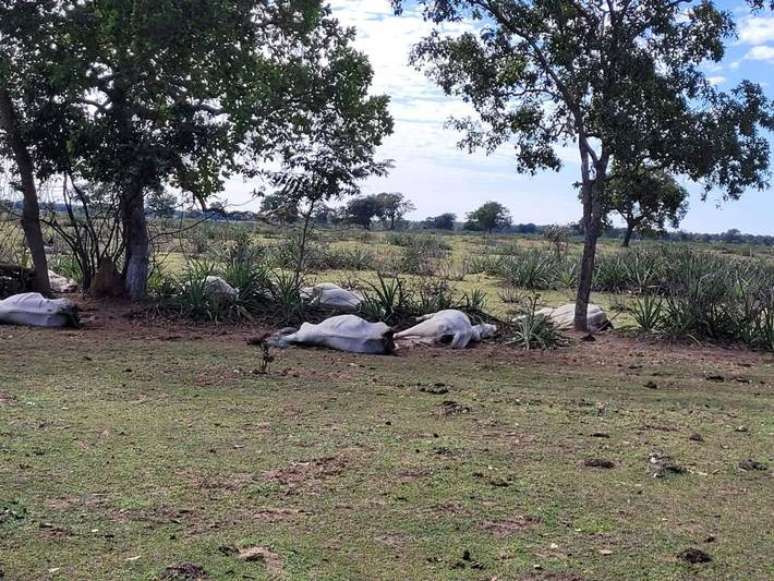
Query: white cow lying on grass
[[217, 288], [35, 310], [446, 325], [61, 284], [332, 296], [343, 333], [563, 317]]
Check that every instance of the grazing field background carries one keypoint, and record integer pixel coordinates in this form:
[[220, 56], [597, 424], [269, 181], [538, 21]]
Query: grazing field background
[[151, 444]]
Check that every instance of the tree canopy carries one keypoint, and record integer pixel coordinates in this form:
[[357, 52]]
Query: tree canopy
[[489, 217], [393, 206], [441, 222], [148, 95], [361, 211], [647, 199]]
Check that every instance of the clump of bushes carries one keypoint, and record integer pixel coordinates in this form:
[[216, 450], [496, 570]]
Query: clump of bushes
[[394, 300], [533, 330]]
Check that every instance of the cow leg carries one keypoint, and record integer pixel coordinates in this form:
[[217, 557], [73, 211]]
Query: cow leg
[[460, 340]]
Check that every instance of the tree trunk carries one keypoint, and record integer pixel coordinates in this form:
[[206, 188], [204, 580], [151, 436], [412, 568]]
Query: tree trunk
[[586, 275], [30, 210], [591, 196], [137, 244], [302, 245], [628, 236]]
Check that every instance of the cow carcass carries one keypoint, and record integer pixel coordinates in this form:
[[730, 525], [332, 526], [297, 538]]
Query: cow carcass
[[61, 284], [332, 296], [35, 310], [347, 333], [446, 326], [563, 317], [217, 289]]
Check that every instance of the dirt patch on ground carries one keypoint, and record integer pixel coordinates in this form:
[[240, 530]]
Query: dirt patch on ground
[[257, 554], [53, 532], [153, 516], [233, 482], [552, 577], [395, 540], [273, 515], [66, 503], [412, 474], [184, 572], [452, 408], [309, 473], [510, 526]]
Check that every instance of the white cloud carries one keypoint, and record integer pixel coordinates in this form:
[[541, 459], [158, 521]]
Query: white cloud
[[761, 53], [756, 30], [717, 80]]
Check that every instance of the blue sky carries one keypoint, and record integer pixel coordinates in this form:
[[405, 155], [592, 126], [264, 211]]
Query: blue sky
[[438, 177]]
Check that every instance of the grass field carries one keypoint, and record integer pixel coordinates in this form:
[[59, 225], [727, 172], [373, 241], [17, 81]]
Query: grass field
[[145, 452]]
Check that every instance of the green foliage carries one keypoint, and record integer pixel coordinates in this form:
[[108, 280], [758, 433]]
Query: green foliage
[[532, 269], [489, 217], [286, 297], [393, 206], [646, 198], [245, 270], [622, 81], [194, 300], [362, 211], [706, 297], [280, 208], [162, 204], [558, 237], [532, 330], [442, 222], [647, 312], [386, 300], [185, 93]]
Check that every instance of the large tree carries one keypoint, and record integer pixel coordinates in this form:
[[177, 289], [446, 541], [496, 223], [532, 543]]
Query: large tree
[[489, 217], [442, 222], [280, 207], [393, 206], [150, 94], [24, 53], [361, 211], [620, 80], [647, 199]]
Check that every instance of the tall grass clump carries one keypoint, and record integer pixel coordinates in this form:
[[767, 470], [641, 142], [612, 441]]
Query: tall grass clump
[[394, 300], [533, 330], [704, 296], [532, 269], [194, 301]]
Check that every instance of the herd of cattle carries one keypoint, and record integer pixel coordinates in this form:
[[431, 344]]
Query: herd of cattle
[[342, 332]]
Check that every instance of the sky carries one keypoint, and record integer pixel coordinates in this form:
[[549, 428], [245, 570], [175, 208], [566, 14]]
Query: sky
[[438, 177]]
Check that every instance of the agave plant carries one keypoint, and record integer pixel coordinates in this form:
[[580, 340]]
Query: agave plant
[[533, 330], [647, 312]]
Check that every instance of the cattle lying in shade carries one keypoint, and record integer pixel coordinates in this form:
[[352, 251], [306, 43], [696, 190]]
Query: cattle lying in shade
[[450, 326], [563, 317], [61, 284], [332, 296], [343, 333], [218, 289], [35, 310]]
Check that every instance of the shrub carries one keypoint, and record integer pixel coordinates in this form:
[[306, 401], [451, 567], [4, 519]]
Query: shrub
[[531, 270], [533, 330], [647, 312]]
